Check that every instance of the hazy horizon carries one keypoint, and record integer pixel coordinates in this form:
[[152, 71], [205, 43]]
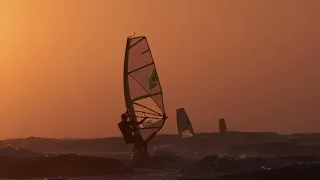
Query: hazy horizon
[[254, 63], [165, 134]]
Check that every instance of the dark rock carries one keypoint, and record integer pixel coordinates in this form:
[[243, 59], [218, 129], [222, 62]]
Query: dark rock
[[62, 165]]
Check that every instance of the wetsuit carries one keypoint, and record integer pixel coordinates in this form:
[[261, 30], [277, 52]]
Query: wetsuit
[[125, 128], [140, 146]]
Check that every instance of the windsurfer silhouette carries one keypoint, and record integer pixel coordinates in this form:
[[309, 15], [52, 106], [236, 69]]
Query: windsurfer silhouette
[[129, 133], [125, 117], [126, 127]]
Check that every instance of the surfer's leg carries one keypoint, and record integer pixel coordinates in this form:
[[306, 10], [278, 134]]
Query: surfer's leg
[[141, 148]]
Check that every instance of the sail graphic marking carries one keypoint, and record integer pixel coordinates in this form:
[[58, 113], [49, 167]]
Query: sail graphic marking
[[154, 80]]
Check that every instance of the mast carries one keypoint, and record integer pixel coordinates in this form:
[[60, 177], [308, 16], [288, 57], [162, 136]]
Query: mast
[[139, 144]]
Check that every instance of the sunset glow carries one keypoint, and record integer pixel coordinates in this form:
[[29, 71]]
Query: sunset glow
[[255, 64]]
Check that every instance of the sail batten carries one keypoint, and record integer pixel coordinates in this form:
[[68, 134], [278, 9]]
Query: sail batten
[[141, 68], [145, 51], [144, 96], [148, 113], [135, 43], [147, 108], [143, 92]]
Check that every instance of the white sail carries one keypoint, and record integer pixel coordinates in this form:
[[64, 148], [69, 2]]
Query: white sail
[[185, 128]]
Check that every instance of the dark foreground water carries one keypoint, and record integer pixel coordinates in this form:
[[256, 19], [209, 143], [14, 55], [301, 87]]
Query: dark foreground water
[[213, 167]]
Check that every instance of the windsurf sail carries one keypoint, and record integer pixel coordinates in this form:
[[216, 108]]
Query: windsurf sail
[[142, 89], [185, 128], [222, 126]]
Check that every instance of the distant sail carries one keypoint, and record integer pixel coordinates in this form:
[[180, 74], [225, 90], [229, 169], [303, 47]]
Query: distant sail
[[184, 125], [222, 126], [142, 89]]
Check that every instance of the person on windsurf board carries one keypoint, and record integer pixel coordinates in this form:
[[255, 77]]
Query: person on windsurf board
[[143, 95], [126, 128]]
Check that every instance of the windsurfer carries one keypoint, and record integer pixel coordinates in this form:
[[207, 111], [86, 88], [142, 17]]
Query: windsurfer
[[144, 74], [139, 150], [125, 117], [126, 127]]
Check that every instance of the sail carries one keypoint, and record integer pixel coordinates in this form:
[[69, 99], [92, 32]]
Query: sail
[[184, 125], [142, 89], [222, 126]]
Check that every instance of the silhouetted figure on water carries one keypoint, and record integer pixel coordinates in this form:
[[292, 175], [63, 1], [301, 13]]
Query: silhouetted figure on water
[[129, 131]]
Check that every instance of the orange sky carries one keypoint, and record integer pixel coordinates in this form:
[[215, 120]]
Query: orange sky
[[256, 63]]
